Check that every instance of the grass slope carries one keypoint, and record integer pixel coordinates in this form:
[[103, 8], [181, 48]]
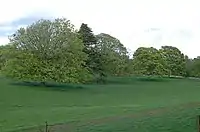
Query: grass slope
[[125, 104]]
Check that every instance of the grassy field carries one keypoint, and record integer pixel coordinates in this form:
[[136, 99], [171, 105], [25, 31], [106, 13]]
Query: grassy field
[[124, 104]]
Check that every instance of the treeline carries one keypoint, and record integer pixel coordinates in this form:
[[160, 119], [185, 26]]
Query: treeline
[[55, 51]]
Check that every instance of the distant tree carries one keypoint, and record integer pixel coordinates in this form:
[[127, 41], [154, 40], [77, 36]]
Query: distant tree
[[5, 54], [175, 60], [94, 57], [188, 66], [89, 41], [88, 38], [193, 67], [47, 51], [2, 58], [115, 59], [148, 61]]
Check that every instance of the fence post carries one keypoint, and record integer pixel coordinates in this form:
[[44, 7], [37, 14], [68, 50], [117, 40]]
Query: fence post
[[198, 123], [46, 126]]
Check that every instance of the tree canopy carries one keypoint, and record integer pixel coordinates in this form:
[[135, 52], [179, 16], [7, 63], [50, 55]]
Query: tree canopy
[[47, 51], [53, 50], [175, 60], [113, 53], [149, 61]]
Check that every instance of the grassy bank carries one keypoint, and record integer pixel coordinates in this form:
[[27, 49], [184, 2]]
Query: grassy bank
[[127, 104]]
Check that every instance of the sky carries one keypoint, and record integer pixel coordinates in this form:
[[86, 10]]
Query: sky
[[136, 23]]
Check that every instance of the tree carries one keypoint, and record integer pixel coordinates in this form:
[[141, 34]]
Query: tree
[[47, 51], [88, 38], [2, 58], [193, 67], [175, 60], [188, 66], [5, 54], [148, 61], [115, 60], [94, 57], [89, 41]]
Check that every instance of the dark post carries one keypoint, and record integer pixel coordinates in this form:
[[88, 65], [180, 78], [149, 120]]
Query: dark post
[[46, 127], [198, 123]]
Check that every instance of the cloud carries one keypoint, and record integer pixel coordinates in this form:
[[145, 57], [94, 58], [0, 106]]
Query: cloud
[[4, 40], [7, 29], [135, 22]]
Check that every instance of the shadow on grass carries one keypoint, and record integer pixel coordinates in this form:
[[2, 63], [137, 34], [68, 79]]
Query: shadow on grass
[[49, 85], [136, 79], [152, 79], [109, 80]]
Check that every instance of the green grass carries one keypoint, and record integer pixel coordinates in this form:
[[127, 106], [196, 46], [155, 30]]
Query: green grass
[[123, 104]]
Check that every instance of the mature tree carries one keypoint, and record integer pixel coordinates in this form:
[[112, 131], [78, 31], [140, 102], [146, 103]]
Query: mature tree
[[87, 36], [193, 67], [108, 42], [2, 58], [89, 41], [47, 51], [5, 54], [188, 66], [148, 61], [175, 60], [115, 60]]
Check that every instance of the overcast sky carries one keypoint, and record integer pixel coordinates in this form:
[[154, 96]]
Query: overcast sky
[[134, 22]]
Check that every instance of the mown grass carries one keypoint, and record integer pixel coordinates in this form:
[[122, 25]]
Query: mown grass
[[23, 108]]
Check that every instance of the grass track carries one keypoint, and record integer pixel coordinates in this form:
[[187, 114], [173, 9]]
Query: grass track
[[150, 113]]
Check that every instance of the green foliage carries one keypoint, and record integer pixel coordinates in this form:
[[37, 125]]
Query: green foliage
[[188, 66], [5, 54], [175, 60], [47, 51], [89, 41], [193, 67], [2, 57], [166, 61], [55, 51], [114, 56], [148, 61], [95, 58], [87, 37]]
